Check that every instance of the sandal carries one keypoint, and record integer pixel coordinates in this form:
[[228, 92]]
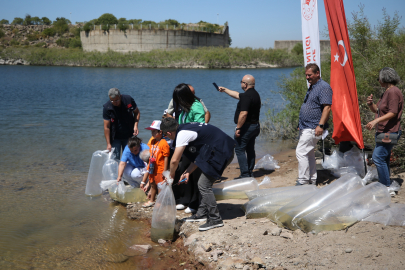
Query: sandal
[[148, 204]]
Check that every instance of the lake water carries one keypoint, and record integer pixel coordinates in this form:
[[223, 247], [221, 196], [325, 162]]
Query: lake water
[[51, 123]]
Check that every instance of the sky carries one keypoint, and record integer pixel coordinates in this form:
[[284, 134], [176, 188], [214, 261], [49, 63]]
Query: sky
[[254, 23]]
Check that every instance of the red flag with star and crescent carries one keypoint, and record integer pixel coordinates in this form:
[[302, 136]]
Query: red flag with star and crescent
[[345, 104]]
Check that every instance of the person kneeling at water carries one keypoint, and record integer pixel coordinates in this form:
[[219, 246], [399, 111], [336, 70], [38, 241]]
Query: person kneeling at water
[[209, 149], [132, 167], [158, 162]]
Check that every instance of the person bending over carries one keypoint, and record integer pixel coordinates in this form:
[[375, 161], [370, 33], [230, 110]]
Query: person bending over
[[132, 167], [209, 149]]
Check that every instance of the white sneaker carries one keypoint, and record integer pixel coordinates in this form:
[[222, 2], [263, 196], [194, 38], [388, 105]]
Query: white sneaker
[[180, 207], [189, 210]]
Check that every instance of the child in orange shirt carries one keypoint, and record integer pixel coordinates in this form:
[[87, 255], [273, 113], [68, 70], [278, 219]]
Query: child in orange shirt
[[159, 156]]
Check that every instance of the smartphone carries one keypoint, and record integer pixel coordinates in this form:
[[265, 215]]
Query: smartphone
[[216, 86]]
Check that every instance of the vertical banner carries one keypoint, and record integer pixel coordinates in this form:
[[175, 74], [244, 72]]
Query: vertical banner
[[310, 32], [345, 104]]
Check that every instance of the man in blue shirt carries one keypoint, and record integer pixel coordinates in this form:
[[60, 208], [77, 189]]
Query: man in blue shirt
[[313, 118]]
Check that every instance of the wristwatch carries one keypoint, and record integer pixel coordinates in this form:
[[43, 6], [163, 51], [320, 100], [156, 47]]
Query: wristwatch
[[237, 128], [321, 126]]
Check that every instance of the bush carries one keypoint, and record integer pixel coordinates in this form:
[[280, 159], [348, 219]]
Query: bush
[[61, 25], [4, 21], [75, 31], [28, 20], [40, 44], [26, 42], [123, 27], [34, 36], [107, 18], [14, 42], [63, 42], [49, 32], [298, 49], [75, 43], [88, 27], [2, 34]]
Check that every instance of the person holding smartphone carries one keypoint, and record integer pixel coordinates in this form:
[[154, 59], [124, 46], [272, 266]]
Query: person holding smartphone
[[247, 124]]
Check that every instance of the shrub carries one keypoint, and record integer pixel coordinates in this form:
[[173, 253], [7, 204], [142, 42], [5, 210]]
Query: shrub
[[15, 31], [4, 21], [87, 27], [28, 20], [298, 49], [1, 33], [107, 18], [61, 25], [49, 32], [33, 36], [14, 42], [75, 43], [123, 27], [75, 31], [17, 20], [26, 42], [40, 44], [63, 42]]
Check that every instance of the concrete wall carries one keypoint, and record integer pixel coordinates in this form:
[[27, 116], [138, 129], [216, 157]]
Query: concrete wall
[[147, 40], [289, 45]]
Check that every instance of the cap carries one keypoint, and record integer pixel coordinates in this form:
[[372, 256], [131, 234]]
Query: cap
[[155, 125]]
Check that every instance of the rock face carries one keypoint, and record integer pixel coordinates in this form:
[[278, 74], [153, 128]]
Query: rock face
[[14, 62]]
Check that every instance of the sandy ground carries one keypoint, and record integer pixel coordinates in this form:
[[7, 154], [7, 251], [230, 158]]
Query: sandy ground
[[250, 244]]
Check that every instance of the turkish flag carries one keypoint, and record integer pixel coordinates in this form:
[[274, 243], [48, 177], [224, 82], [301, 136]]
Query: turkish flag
[[345, 104]]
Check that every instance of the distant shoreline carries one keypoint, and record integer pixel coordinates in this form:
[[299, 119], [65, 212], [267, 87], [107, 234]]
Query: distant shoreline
[[202, 58]]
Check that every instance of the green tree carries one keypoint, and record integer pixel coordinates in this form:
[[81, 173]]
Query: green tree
[[46, 21], [17, 20], [171, 22], [122, 20], [134, 21], [36, 20], [28, 20], [88, 27], [107, 18], [4, 21], [61, 25]]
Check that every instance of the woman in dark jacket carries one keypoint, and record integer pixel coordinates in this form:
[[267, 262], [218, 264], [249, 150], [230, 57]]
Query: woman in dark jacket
[[388, 112]]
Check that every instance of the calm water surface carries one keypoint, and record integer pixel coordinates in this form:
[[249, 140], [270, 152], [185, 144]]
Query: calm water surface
[[51, 123]]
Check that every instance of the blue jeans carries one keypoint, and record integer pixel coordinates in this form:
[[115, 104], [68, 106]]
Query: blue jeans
[[245, 148], [381, 158], [118, 146]]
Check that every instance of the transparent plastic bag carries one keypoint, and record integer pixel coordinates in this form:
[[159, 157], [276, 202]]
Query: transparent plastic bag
[[371, 175], [164, 212], [126, 194], [264, 192], [394, 215], [107, 184], [280, 215], [394, 186], [234, 189], [267, 205], [337, 189], [344, 170], [267, 163], [334, 161], [354, 157], [95, 175], [265, 183], [110, 167], [347, 210]]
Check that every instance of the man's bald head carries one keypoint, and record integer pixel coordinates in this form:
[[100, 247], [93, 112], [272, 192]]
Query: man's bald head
[[248, 81]]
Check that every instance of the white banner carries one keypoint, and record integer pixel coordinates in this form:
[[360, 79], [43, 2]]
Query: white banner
[[310, 32]]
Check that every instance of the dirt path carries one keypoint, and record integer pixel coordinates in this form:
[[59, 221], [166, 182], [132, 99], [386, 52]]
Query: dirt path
[[250, 244]]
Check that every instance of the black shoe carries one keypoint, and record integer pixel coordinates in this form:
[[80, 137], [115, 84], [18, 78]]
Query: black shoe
[[195, 218], [240, 177], [211, 225]]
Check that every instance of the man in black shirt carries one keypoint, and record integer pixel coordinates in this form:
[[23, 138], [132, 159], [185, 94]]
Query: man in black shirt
[[121, 117], [247, 124]]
